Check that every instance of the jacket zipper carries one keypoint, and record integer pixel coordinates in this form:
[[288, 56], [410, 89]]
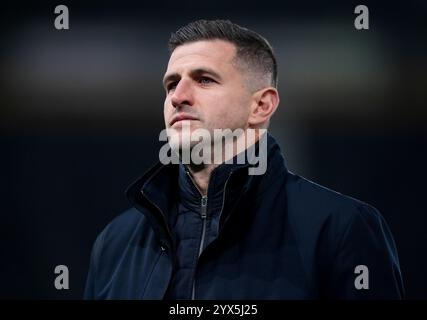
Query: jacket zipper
[[204, 202], [203, 215], [203, 207]]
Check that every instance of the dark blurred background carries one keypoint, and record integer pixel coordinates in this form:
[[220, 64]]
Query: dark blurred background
[[81, 110]]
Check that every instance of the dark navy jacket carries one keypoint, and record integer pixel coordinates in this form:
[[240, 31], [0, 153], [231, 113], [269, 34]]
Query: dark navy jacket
[[274, 236]]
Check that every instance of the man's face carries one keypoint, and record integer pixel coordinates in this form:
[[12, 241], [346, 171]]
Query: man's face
[[205, 88]]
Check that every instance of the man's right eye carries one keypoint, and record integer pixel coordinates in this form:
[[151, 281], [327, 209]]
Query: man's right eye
[[171, 86]]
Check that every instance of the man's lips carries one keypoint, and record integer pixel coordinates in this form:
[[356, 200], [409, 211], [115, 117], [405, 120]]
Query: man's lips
[[181, 117]]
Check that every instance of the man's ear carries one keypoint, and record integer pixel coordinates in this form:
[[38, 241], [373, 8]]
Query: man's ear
[[264, 104]]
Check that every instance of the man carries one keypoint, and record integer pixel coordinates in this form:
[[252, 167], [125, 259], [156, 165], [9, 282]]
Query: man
[[213, 230]]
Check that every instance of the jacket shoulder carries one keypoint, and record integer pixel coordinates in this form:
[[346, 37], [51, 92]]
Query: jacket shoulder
[[127, 229], [123, 229], [124, 222], [314, 199], [347, 233], [315, 209]]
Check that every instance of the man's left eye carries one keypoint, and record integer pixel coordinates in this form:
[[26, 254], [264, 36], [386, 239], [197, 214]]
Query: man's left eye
[[205, 80]]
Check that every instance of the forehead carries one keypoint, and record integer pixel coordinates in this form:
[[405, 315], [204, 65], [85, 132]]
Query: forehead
[[212, 53]]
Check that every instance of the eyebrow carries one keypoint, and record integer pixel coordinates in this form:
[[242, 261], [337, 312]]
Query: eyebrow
[[194, 72]]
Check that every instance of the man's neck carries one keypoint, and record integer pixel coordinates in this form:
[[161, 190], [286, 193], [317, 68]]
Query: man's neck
[[201, 174]]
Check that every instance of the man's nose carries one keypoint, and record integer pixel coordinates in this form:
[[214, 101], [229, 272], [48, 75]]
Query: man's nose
[[182, 94]]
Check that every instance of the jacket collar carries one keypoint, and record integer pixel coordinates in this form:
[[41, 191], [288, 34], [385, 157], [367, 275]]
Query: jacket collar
[[190, 195], [158, 188]]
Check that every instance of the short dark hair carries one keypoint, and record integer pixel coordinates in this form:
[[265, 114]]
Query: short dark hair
[[251, 48]]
